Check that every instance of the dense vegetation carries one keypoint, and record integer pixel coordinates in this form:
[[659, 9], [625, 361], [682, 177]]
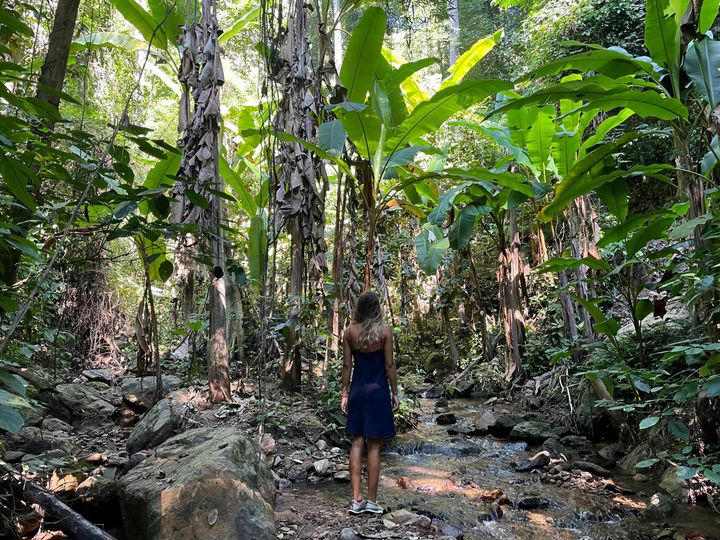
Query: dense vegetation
[[531, 187]]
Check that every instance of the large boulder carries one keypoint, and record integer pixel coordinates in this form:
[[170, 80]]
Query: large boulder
[[204, 483], [99, 375], [155, 427], [72, 402], [676, 488], [640, 453], [139, 392], [499, 425], [532, 432]]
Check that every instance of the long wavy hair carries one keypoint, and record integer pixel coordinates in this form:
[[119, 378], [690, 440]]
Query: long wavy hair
[[368, 314]]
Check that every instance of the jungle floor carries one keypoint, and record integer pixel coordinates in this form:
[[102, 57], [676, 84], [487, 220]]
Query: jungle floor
[[442, 479]]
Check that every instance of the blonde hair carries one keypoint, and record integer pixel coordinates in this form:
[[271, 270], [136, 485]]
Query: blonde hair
[[369, 315]]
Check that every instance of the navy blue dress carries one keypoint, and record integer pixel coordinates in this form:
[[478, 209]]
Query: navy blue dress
[[369, 411]]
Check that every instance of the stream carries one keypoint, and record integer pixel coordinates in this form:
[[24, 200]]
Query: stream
[[450, 478]]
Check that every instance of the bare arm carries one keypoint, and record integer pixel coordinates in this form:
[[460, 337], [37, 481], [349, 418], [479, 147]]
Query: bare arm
[[390, 367]]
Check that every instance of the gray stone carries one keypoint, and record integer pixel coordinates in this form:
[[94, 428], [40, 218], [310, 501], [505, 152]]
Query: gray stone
[[482, 424], [659, 507], [342, 476], [636, 455], [321, 445], [155, 427], [401, 517], [75, 401], [140, 391], [349, 534], [321, 466], [577, 443], [446, 419], [592, 468], [170, 494], [610, 453], [640, 477], [100, 375], [539, 460], [532, 432], [13, 456], [54, 424], [676, 488], [504, 424], [554, 447], [592, 420], [33, 440]]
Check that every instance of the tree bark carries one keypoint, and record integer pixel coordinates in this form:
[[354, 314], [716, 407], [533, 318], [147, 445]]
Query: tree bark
[[578, 240], [52, 73], [292, 367], [454, 19], [452, 343], [509, 277]]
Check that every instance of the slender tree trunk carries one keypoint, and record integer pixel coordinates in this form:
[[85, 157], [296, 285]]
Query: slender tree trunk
[[454, 19], [292, 367], [52, 73], [484, 335], [578, 236], [509, 277], [452, 343]]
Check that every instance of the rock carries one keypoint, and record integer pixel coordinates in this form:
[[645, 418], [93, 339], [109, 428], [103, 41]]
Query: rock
[[336, 450], [201, 470], [592, 468], [72, 402], [531, 431], [532, 503], [98, 494], [441, 403], [401, 516], [659, 507], [435, 362], [592, 420], [321, 466], [54, 424], [155, 427], [640, 477], [462, 428], [554, 447], [577, 443], [342, 476], [434, 392], [138, 392], [33, 440], [610, 453], [482, 424], [462, 389], [450, 531], [13, 456], [134, 460], [321, 445], [349, 534], [100, 375], [503, 425], [267, 443], [446, 419], [676, 488], [538, 460], [636, 455]]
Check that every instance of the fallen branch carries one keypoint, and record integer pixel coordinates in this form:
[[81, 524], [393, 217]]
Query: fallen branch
[[68, 521]]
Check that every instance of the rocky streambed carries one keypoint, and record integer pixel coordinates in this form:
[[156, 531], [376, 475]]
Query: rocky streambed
[[451, 478]]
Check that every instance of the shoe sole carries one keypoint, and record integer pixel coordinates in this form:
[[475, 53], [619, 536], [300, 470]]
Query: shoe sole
[[372, 511], [356, 512]]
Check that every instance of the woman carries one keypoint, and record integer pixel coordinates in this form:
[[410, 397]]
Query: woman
[[369, 405]]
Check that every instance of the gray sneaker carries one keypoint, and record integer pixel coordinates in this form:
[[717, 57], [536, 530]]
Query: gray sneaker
[[357, 507], [373, 508]]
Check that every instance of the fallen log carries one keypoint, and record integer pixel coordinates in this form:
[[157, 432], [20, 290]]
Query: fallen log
[[67, 520]]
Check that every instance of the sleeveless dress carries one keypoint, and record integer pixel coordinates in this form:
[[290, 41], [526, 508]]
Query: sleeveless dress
[[369, 411]]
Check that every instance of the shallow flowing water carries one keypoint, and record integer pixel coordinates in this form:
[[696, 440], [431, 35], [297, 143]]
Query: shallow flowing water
[[451, 478]]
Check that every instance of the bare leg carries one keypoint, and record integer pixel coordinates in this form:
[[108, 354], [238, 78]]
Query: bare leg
[[356, 451], [373, 466]]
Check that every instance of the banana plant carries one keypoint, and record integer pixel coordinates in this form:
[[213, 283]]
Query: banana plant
[[382, 118]]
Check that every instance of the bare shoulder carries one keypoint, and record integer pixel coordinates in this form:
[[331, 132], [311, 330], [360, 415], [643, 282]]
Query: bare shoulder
[[387, 332]]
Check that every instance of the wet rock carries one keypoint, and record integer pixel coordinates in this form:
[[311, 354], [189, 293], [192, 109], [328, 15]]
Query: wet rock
[[449, 531], [554, 447], [531, 431], [97, 495], [72, 402], [134, 460], [100, 375], [192, 474], [531, 503], [139, 392], [34, 440], [441, 403], [610, 453], [659, 507], [539, 460], [463, 389], [267, 443], [592, 468], [592, 420], [349, 534], [155, 427], [562, 431], [462, 428], [577, 442], [482, 424], [640, 477], [321, 466], [446, 419], [499, 425], [676, 488]]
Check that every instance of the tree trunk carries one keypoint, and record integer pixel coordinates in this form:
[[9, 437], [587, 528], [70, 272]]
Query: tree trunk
[[484, 335], [52, 73], [337, 269], [292, 367], [578, 240], [454, 19], [509, 277], [452, 343]]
